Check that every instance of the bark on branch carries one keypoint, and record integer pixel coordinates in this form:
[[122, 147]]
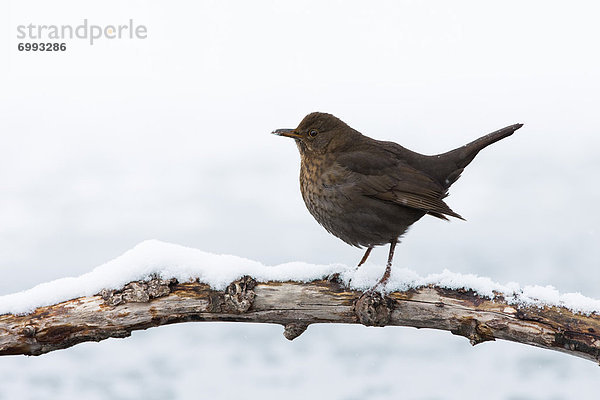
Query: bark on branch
[[144, 304]]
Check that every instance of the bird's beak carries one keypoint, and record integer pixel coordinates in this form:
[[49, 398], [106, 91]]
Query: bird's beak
[[287, 132]]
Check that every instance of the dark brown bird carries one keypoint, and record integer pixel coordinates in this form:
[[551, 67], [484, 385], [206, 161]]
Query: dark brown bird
[[368, 192]]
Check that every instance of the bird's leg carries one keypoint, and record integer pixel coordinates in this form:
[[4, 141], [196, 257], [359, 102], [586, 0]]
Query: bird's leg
[[388, 267], [374, 308], [362, 260]]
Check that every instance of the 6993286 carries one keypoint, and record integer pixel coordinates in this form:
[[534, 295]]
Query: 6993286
[[44, 46]]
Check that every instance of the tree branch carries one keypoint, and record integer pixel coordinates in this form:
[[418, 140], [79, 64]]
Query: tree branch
[[144, 304]]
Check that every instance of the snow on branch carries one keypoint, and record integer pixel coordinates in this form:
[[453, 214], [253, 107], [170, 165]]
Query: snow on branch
[[157, 283]]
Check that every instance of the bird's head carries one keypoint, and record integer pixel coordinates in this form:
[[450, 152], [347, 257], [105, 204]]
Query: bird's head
[[319, 133]]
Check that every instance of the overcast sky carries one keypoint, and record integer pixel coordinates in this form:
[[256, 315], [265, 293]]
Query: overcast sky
[[103, 146]]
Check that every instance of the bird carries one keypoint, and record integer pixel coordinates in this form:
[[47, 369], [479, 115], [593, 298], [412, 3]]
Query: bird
[[368, 192]]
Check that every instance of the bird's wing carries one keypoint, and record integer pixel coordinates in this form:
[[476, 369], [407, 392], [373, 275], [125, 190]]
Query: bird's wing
[[390, 179]]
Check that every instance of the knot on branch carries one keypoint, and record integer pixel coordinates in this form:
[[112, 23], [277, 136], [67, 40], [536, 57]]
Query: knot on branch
[[294, 329], [239, 295], [373, 309], [29, 331], [477, 332], [138, 291]]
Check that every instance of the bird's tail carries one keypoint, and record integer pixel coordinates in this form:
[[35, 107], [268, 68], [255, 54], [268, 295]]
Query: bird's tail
[[456, 160]]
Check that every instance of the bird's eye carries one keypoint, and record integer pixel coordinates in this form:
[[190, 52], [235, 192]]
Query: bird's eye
[[313, 133]]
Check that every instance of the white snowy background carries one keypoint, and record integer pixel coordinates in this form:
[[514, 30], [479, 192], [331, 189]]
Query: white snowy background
[[105, 146]]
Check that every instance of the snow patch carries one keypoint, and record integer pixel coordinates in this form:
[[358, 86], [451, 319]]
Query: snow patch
[[167, 260]]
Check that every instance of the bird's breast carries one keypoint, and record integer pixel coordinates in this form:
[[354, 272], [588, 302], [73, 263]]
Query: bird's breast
[[316, 180], [322, 186]]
